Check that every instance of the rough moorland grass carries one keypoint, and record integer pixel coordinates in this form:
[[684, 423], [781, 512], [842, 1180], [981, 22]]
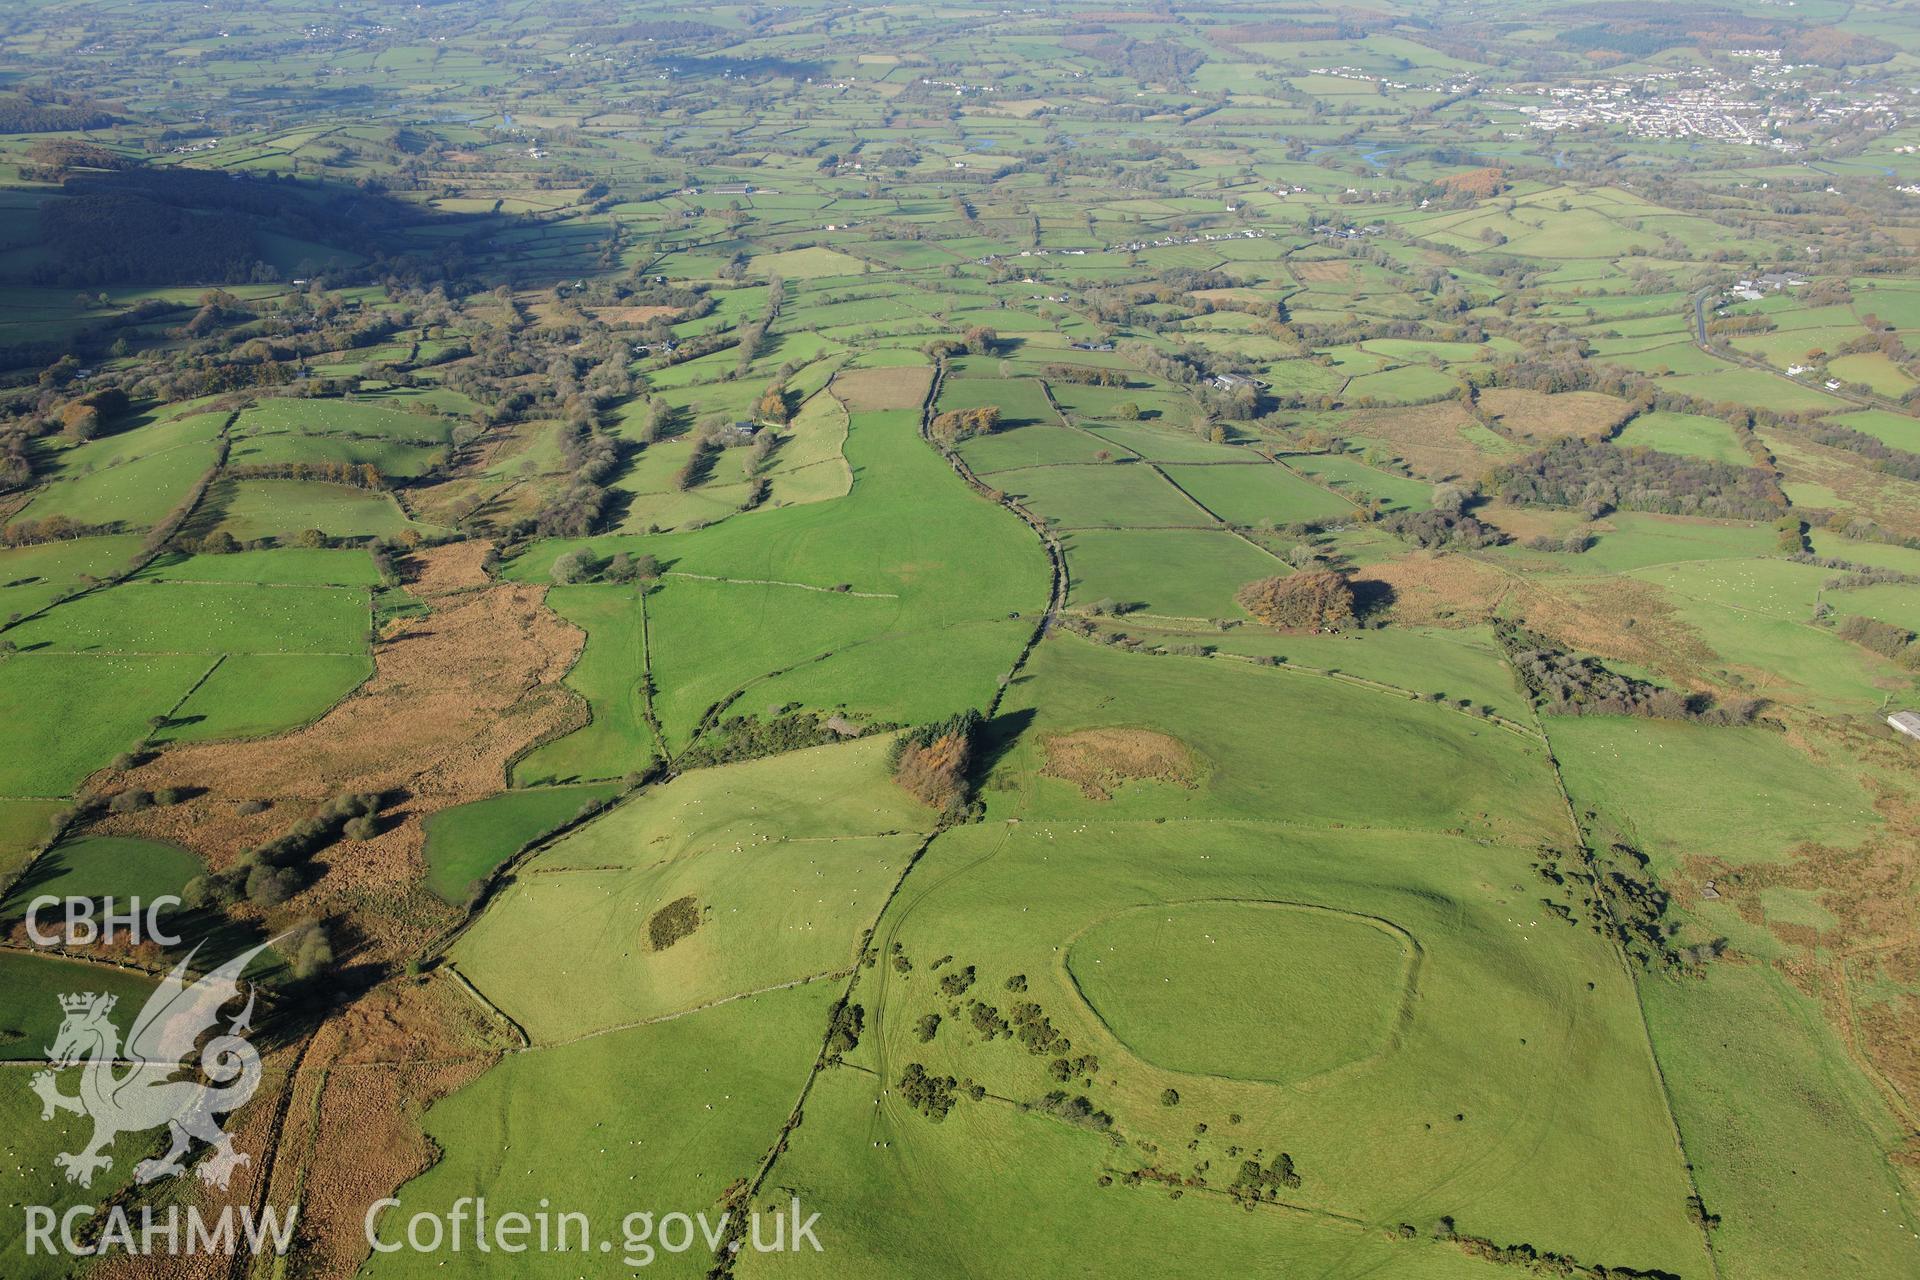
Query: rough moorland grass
[[465, 843]]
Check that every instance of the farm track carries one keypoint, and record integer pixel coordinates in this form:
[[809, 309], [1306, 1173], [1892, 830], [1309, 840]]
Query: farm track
[[1639, 1006]]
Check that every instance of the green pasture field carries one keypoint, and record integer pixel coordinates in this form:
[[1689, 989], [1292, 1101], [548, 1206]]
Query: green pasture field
[[1751, 386], [1143, 971], [1756, 614], [35, 576], [1039, 445], [133, 494], [100, 867], [389, 457], [24, 826], [787, 859], [1457, 663], [28, 1144], [283, 509], [1630, 540], [1185, 573], [30, 987], [708, 639], [1893, 429], [292, 566], [893, 541], [592, 1135], [608, 674], [1218, 892], [1252, 495], [1432, 769], [1687, 434], [1874, 369], [1466, 960], [1785, 1137], [251, 695], [83, 710], [865, 1170], [1021, 401], [1352, 478], [204, 617], [465, 843], [1683, 790], [1165, 444]]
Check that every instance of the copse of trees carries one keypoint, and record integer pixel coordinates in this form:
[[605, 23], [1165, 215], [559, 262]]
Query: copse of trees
[[1597, 477], [1087, 376], [955, 425], [934, 763], [269, 874], [1564, 683], [1435, 529], [1312, 600]]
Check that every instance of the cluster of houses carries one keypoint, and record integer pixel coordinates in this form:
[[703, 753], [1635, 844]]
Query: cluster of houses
[[1752, 290], [1164, 242]]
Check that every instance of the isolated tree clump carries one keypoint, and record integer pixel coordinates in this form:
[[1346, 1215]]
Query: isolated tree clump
[[934, 762], [1317, 600], [956, 425]]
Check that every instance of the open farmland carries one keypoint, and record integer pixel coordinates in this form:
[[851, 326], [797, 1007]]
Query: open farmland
[[1196, 640]]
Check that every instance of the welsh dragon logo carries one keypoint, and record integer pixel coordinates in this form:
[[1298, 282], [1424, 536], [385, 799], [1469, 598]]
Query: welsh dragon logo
[[133, 1089]]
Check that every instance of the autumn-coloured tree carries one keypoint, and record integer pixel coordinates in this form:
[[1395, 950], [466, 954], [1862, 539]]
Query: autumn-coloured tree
[[934, 762], [1318, 600], [956, 425]]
